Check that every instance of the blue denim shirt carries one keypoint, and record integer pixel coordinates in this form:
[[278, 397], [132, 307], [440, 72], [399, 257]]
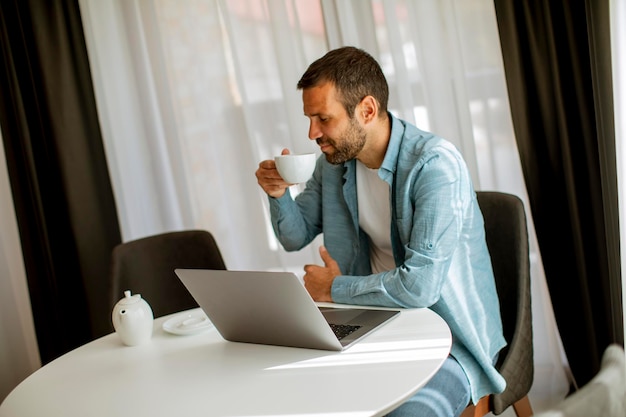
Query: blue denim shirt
[[438, 240]]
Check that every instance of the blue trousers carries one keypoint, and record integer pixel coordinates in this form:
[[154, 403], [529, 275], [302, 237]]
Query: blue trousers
[[445, 395]]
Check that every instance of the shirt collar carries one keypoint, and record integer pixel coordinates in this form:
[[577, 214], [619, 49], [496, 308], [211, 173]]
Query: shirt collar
[[388, 167]]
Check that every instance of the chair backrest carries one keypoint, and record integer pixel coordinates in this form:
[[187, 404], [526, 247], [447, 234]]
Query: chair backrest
[[603, 396], [146, 266], [507, 240]]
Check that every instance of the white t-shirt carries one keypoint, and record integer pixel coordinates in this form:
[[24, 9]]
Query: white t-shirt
[[375, 216]]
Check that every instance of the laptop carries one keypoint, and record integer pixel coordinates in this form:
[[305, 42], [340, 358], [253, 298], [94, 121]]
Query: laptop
[[274, 308]]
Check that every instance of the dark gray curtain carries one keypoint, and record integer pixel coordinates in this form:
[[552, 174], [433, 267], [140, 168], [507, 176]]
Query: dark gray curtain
[[558, 70], [63, 198]]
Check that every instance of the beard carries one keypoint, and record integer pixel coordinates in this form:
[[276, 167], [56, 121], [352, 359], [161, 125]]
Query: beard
[[348, 145]]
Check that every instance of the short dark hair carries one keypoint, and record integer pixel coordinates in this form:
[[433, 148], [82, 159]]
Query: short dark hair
[[354, 73]]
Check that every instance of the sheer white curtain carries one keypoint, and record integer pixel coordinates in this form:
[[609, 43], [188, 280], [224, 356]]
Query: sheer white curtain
[[193, 94], [19, 355], [618, 53]]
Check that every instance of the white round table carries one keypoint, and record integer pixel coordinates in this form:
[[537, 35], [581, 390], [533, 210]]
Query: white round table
[[204, 375]]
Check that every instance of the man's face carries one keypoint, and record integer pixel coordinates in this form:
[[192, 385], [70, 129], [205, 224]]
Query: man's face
[[339, 136]]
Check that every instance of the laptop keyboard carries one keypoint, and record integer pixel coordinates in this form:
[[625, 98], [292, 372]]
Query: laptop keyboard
[[343, 330]]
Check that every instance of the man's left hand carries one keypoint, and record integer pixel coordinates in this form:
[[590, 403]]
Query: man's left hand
[[318, 280]]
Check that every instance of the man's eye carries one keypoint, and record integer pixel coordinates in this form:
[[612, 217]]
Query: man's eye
[[323, 119]]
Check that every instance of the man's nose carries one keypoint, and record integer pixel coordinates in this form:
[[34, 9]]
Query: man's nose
[[314, 131]]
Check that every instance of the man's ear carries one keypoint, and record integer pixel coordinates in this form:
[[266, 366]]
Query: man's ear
[[367, 109]]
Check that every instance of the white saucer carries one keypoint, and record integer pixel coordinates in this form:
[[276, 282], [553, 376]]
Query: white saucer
[[191, 322]]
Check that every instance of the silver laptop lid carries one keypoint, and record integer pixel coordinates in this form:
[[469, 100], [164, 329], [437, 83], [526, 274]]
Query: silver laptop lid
[[270, 308]]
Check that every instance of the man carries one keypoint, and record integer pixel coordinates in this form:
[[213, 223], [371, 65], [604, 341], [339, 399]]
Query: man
[[401, 224]]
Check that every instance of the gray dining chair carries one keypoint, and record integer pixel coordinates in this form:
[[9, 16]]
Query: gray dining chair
[[507, 240], [146, 266], [603, 396]]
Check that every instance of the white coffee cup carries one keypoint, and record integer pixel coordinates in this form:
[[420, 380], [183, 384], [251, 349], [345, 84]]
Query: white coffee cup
[[295, 168]]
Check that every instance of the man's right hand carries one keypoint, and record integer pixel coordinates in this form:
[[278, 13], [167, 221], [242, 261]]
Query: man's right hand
[[269, 179]]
